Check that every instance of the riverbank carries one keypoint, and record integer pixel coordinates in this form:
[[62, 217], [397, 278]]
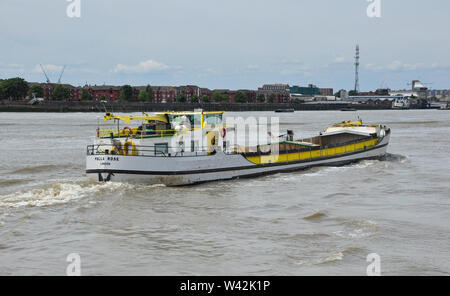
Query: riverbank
[[158, 107]]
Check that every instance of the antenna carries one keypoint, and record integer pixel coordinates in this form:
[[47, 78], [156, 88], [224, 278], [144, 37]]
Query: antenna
[[62, 72], [357, 69], [48, 80]]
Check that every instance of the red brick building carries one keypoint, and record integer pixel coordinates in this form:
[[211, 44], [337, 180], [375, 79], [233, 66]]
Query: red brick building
[[75, 92], [111, 92], [164, 94], [326, 92], [280, 93]]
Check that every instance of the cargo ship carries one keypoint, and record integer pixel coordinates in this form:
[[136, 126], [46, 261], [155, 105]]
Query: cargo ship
[[182, 148]]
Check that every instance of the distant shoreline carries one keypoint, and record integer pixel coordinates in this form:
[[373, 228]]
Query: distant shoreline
[[159, 107]]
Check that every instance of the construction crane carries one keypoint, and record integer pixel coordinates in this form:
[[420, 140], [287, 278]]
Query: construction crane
[[48, 80], [62, 72]]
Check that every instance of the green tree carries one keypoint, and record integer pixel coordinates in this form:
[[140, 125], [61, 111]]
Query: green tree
[[36, 90], [272, 98], [14, 88], [126, 93], [218, 97], [85, 95], [181, 98], [240, 97], [261, 98], [353, 93], [61, 92], [194, 99], [206, 99], [102, 98], [143, 96], [151, 95]]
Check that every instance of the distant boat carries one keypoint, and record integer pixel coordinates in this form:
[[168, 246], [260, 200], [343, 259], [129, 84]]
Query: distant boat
[[284, 110], [445, 107], [348, 109], [35, 101], [401, 103]]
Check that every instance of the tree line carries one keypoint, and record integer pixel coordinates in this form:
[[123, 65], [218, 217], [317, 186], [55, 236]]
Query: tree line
[[18, 88], [14, 89]]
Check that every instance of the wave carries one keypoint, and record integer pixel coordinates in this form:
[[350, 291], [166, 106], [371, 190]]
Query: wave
[[62, 193], [310, 236], [339, 256], [292, 123], [11, 182], [362, 223], [336, 194], [325, 170], [315, 216], [333, 258], [35, 169], [413, 122], [395, 158], [357, 229]]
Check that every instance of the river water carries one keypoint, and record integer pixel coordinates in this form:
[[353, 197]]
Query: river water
[[321, 221]]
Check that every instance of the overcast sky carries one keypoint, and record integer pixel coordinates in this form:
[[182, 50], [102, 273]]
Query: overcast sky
[[227, 43]]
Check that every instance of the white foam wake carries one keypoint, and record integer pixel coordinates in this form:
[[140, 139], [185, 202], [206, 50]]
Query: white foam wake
[[59, 194]]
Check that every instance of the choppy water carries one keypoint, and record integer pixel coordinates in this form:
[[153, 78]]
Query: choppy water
[[322, 221]]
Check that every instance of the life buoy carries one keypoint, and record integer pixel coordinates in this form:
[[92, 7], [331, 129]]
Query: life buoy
[[224, 132], [130, 131], [126, 149]]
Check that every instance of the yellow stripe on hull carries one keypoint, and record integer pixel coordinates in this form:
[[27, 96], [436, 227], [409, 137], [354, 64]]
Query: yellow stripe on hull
[[298, 156]]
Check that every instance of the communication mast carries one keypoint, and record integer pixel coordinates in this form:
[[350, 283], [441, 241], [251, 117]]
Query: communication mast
[[357, 69]]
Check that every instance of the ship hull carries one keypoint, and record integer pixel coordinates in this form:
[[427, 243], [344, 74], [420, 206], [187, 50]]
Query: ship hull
[[175, 171]]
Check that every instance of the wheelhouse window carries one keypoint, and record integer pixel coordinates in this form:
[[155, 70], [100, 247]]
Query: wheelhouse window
[[161, 148], [213, 119], [186, 120]]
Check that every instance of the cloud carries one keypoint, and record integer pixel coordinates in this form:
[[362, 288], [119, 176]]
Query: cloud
[[398, 65], [339, 60], [294, 62], [395, 66], [12, 69], [252, 67], [147, 66], [289, 72]]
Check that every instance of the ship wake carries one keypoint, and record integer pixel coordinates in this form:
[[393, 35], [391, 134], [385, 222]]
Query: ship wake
[[62, 193]]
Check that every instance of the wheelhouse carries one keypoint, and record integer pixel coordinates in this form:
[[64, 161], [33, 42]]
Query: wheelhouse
[[162, 124]]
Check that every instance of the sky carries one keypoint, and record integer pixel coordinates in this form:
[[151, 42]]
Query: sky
[[228, 44]]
